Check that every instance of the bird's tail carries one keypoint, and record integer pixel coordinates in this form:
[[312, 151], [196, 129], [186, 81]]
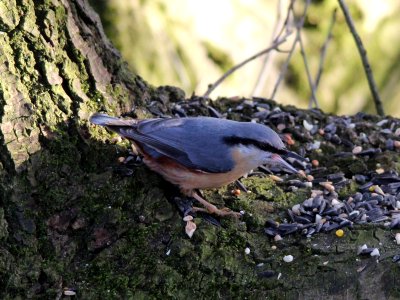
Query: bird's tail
[[110, 122]]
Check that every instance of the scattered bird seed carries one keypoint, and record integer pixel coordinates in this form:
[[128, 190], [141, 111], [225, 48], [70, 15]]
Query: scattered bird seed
[[302, 174], [187, 218], [116, 140], [327, 185], [266, 274], [190, 228], [275, 178], [236, 192], [324, 211], [361, 249], [397, 238], [288, 258], [357, 149], [307, 125], [296, 209], [375, 252], [381, 123], [289, 140], [69, 292], [281, 126], [380, 171], [315, 163], [339, 233]]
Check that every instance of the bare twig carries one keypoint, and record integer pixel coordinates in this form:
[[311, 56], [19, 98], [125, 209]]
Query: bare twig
[[310, 81], [283, 69], [287, 23], [365, 62], [281, 50], [324, 49], [266, 62], [233, 69], [299, 25]]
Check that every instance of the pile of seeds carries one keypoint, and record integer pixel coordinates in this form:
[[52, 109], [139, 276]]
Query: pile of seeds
[[378, 201], [356, 138]]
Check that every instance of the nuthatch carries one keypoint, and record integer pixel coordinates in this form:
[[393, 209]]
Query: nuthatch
[[202, 152]]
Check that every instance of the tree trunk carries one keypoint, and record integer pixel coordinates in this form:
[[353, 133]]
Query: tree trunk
[[69, 224]]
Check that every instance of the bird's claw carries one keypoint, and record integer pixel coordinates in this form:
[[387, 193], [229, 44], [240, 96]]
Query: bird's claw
[[212, 209]]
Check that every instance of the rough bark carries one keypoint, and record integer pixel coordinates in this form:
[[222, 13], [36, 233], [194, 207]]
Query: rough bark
[[68, 223]]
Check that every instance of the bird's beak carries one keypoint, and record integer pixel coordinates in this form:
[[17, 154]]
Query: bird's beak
[[295, 156], [283, 164]]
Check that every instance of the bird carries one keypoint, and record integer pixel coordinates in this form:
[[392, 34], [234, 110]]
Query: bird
[[197, 153]]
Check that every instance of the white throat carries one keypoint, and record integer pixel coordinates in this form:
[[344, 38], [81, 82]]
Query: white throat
[[252, 156]]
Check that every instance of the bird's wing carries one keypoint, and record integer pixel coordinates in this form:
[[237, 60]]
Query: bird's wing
[[193, 142]]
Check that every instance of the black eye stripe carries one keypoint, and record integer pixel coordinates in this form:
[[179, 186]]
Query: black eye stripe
[[234, 140]]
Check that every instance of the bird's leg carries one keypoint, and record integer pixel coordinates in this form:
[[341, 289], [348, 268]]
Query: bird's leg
[[212, 209]]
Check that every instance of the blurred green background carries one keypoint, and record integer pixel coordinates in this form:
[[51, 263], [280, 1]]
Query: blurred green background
[[190, 44]]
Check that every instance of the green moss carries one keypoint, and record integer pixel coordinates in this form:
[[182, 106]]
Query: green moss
[[327, 149], [264, 189], [297, 197], [3, 225], [348, 190], [357, 167], [29, 20], [389, 278], [24, 58], [9, 15], [387, 160]]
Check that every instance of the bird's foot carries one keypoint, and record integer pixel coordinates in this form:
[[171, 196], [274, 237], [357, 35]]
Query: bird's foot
[[223, 212], [212, 209]]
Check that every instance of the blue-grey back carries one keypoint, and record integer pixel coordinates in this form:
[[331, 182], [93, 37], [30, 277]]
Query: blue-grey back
[[203, 139]]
